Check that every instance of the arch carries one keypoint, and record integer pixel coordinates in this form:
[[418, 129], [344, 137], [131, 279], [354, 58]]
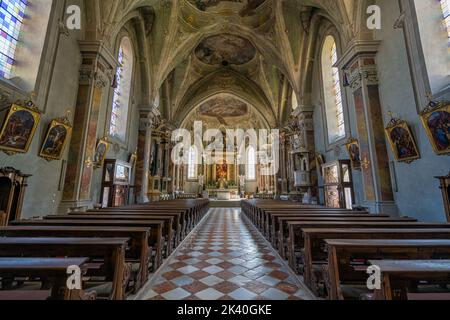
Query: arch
[[229, 82]]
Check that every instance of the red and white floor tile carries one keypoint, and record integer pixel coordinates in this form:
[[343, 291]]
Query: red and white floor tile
[[225, 259]]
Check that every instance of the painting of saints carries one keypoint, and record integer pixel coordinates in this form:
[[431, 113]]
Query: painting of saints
[[100, 153], [55, 141], [355, 154], [439, 124], [18, 131], [402, 142]]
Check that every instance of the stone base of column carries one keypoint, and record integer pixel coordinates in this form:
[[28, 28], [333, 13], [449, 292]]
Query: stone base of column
[[143, 199], [385, 207], [71, 206]]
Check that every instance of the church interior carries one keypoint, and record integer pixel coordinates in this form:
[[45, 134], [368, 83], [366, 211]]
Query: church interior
[[225, 150]]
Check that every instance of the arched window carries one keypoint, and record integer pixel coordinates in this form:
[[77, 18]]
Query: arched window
[[334, 108], [122, 91], [192, 164], [12, 13], [445, 5], [251, 163]]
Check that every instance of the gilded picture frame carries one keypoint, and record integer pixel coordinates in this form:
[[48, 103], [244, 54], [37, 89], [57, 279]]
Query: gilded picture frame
[[320, 161], [58, 135], [436, 121], [354, 152], [402, 142], [133, 160], [19, 128], [101, 152]]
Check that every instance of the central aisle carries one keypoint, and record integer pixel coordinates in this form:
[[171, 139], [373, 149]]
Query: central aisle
[[225, 259]]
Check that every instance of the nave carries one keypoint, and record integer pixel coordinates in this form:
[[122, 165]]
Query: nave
[[225, 258]]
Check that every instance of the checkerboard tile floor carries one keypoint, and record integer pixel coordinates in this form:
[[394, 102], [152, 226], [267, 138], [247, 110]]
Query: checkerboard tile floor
[[225, 259]]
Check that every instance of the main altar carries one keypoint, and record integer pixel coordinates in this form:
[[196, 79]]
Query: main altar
[[222, 179]]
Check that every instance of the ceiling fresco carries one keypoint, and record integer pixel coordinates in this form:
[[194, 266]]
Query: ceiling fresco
[[246, 7], [223, 108], [227, 48]]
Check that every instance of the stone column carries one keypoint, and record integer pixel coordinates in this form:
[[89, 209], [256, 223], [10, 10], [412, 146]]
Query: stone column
[[306, 124], [359, 63], [144, 154], [97, 68]]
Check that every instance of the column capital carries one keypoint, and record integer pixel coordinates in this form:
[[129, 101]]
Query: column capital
[[358, 53]]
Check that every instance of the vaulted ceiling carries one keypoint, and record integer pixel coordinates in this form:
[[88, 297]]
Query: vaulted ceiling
[[196, 49]]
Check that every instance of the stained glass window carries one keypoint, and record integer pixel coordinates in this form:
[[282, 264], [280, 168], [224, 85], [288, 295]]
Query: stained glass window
[[337, 92], [192, 166], [332, 91], [12, 13], [445, 5], [251, 163], [121, 98]]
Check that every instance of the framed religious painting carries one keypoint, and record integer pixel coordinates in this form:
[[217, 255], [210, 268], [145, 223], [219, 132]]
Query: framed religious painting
[[436, 120], [133, 160], [19, 127], [354, 153], [402, 141], [320, 161], [56, 139], [101, 152]]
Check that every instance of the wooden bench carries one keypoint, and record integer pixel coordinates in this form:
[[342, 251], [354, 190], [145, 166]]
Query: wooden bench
[[347, 258], [51, 272], [296, 241], [399, 276], [138, 250], [283, 233], [110, 251], [156, 227], [172, 227], [314, 254]]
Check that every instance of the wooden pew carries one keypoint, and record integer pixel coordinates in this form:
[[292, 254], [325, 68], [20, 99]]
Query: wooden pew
[[295, 239], [272, 222], [156, 227], [51, 272], [267, 215], [314, 254], [138, 251], [182, 220], [111, 251], [398, 276], [342, 254], [166, 233], [172, 227], [280, 226]]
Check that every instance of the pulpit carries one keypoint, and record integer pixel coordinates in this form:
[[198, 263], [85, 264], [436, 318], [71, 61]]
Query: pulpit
[[12, 191], [445, 188]]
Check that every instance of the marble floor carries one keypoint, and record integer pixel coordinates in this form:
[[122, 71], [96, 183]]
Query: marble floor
[[225, 258]]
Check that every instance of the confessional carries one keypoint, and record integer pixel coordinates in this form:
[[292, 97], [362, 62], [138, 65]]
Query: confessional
[[116, 183], [338, 184], [445, 188], [13, 184]]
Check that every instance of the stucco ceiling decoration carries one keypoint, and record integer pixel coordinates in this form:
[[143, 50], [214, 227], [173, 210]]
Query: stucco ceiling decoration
[[243, 7], [223, 108], [225, 111], [225, 49]]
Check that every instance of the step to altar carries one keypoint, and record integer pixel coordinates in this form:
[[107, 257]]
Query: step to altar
[[225, 203]]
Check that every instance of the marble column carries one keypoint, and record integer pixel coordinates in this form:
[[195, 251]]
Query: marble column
[[144, 155], [97, 68], [359, 63]]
